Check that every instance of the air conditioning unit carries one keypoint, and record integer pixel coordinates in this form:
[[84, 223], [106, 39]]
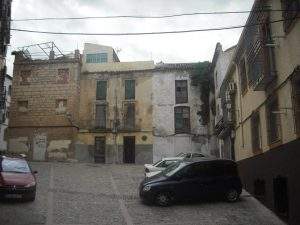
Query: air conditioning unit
[[231, 88]]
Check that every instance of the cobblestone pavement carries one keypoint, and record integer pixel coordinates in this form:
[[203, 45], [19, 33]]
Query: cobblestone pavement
[[107, 194]]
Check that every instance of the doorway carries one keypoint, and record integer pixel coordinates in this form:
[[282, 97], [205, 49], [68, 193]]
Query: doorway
[[281, 199], [129, 150], [99, 155]]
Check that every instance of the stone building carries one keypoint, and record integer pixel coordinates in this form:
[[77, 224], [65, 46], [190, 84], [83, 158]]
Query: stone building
[[94, 108], [266, 70], [44, 106], [115, 111], [219, 119], [4, 113], [176, 101], [5, 16]]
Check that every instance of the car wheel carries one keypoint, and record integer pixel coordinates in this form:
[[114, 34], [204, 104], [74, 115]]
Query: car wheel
[[163, 199], [232, 195], [30, 198]]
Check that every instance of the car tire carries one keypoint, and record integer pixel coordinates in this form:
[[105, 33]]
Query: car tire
[[163, 199], [31, 197], [232, 195]]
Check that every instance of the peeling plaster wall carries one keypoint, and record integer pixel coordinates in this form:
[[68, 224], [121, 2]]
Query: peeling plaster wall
[[165, 142], [20, 144]]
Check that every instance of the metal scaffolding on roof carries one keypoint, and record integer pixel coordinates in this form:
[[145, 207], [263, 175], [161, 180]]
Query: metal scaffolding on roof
[[49, 50]]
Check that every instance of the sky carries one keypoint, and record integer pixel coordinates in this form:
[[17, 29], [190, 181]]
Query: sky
[[169, 48]]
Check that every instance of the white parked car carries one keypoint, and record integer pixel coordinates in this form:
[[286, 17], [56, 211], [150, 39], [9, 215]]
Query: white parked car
[[190, 155], [156, 168]]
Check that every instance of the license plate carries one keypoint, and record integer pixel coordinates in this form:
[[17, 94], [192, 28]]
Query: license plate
[[13, 196]]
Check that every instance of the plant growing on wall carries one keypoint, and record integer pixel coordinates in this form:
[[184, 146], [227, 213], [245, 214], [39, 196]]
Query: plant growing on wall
[[201, 78]]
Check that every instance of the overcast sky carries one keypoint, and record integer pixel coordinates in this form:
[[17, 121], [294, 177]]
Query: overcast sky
[[188, 47]]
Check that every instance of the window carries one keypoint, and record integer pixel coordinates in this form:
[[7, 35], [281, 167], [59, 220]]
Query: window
[[273, 120], [165, 163], [243, 75], [61, 105], [101, 90], [182, 119], [22, 106], [255, 132], [296, 99], [181, 91], [25, 74], [62, 76], [100, 119], [129, 116], [129, 89], [96, 58], [290, 11], [9, 90]]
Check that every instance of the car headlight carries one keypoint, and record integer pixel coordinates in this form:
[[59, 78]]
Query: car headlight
[[30, 184], [147, 188]]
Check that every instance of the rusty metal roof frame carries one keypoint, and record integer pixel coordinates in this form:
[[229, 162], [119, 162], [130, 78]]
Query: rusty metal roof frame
[[46, 48]]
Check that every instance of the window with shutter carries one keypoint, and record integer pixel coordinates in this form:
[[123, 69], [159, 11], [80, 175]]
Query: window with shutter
[[255, 132], [100, 117], [63, 76], [296, 99], [181, 91], [273, 120], [101, 90], [243, 75], [182, 119], [129, 115], [25, 75], [129, 89], [291, 9]]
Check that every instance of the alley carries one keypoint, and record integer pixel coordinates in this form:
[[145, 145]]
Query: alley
[[107, 194]]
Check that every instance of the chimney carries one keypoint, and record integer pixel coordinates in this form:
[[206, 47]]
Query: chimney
[[52, 54]]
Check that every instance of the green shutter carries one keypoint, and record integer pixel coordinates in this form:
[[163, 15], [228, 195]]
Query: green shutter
[[101, 90], [129, 89]]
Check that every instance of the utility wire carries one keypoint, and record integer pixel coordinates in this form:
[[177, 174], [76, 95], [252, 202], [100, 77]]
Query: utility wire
[[150, 17], [145, 33]]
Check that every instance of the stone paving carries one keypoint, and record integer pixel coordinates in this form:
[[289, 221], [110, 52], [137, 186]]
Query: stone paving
[[90, 194]]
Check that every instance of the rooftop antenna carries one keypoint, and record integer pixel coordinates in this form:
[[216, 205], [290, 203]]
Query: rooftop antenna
[[118, 50]]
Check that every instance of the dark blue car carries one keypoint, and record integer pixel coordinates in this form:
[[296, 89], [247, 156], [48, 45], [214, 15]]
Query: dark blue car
[[193, 179]]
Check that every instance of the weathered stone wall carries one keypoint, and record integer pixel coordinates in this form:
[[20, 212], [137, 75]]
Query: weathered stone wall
[[46, 124], [166, 142]]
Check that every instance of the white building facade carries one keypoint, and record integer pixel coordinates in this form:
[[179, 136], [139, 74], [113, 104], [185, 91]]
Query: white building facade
[[176, 125], [4, 113], [220, 64]]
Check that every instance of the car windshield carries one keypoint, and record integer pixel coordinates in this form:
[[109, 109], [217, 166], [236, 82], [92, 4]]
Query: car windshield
[[15, 166], [155, 164], [173, 168], [181, 154]]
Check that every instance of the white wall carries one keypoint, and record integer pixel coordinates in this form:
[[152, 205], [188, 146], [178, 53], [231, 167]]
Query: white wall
[[165, 142], [3, 126]]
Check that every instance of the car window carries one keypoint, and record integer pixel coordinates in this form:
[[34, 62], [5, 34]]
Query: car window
[[16, 166], [173, 168], [158, 162], [198, 155]]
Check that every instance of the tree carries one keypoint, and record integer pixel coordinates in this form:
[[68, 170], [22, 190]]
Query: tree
[[201, 78]]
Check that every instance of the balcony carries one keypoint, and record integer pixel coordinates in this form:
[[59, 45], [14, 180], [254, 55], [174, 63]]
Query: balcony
[[261, 72]]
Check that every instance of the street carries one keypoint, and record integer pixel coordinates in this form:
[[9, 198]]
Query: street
[[107, 194]]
